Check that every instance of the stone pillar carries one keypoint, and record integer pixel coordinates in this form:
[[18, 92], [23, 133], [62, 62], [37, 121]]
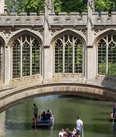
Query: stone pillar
[[90, 37], [89, 62], [2, 6], [7, 68], [47, 63]]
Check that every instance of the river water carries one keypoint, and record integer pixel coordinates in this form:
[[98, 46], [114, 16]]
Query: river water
[[16, 121]]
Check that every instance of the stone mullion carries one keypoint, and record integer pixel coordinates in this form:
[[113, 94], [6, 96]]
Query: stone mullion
[[73, 55], [106, 55], [30, 58], [40, 61], [83, 59], [63, 57], [21, 57]]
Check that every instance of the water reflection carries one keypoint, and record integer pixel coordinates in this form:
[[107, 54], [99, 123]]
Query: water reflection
[[114, 129], [94, 113]]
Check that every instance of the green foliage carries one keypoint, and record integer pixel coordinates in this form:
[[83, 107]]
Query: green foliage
[[74, 6], [59, 5], [105, 5], [34, 6], [25, 6], [15, 6], [102, 68]]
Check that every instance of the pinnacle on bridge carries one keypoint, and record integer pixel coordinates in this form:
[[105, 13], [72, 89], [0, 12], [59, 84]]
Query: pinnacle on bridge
[[2, 6], [49, 6], [91, 5]]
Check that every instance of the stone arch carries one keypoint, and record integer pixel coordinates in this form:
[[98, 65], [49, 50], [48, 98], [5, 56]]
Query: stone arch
[[70, 31], [25, 52], [103, 33], [75, 43], [15, 96], [24, 31]]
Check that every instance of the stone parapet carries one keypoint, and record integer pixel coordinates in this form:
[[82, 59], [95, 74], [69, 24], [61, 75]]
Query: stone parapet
[[64, 19], [22, 19], [61, 19], [104, 18]]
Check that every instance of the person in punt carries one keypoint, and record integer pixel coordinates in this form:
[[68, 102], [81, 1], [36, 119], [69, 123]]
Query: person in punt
[[74, 132], [79, 126], [35, 108], [61, 133], [111, 117], [43, 116], [34, 123], [48, 114]]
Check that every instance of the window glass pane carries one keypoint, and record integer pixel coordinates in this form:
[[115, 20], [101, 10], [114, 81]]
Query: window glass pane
[[27, 49], [102, 57], [25, 59], [68, 55], [58, 56], [78, 56], [112, 56], [35, 57], [107, 55], [16, 59]]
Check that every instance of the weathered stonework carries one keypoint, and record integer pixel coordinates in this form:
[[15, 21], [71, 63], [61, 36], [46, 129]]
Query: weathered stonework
[[19, 94], [48, 27], [25, 81]]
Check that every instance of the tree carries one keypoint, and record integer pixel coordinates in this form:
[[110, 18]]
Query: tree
[[14, 6], [34, 6], [74, 6], [105, 5], [57, 6]]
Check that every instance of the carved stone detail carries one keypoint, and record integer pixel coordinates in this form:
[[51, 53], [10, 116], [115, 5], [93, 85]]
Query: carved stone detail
[[6, 33], [49, 5], [91, 5]]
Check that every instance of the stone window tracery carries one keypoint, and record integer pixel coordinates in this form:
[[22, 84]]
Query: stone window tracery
[[107, 55], [68, 54], [26, 56]]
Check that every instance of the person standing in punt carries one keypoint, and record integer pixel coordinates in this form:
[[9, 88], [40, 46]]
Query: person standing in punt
[[35, 108], [79, 126]]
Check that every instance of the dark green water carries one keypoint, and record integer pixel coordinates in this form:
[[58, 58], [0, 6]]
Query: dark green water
[[94, 113]]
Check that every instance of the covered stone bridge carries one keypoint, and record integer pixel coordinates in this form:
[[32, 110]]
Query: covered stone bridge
[[12, 96]]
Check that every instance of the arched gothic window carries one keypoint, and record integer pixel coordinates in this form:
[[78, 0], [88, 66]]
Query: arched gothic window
[[1, 60], [68, 55], [26, 56], [107, 55]]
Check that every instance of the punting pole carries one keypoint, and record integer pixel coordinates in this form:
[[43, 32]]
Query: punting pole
[[82, 133]]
